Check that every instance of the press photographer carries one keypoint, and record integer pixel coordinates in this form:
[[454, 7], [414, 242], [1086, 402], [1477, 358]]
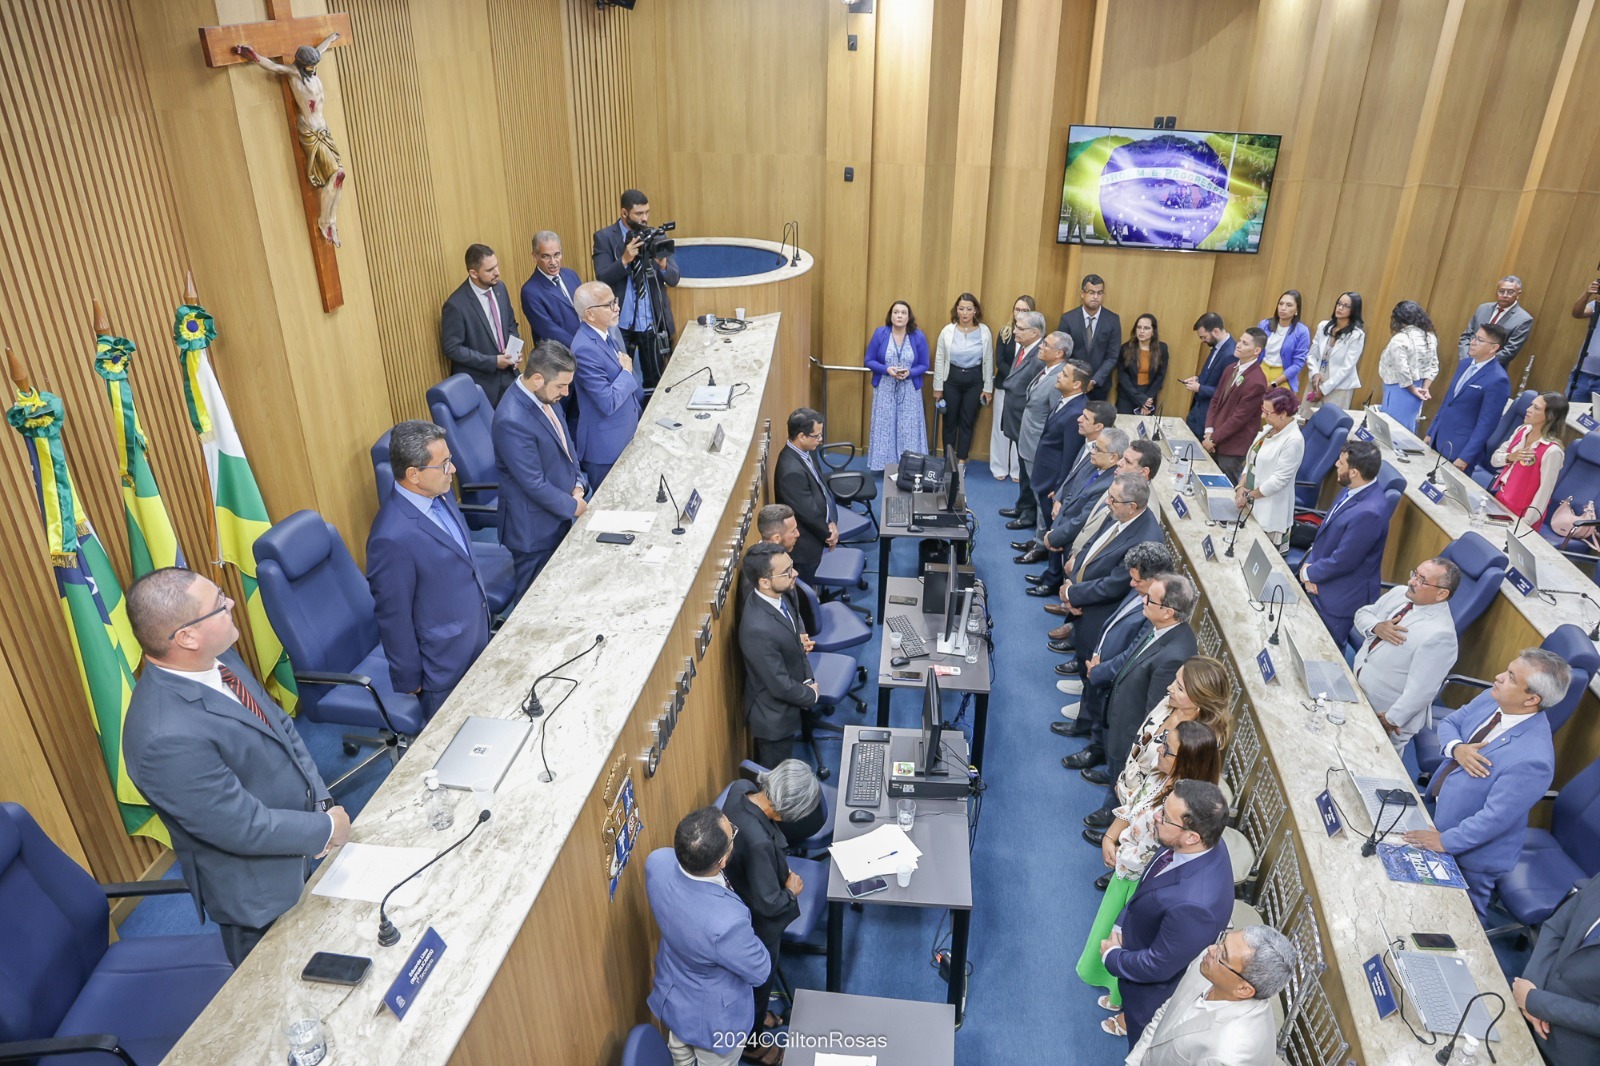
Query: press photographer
[[636, 259]]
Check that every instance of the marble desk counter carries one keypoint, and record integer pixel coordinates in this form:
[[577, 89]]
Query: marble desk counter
[[479, 896]]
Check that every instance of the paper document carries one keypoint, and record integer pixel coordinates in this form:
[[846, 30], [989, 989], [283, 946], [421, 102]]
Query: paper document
[[657, 555], [877, 854], [514, 347], [620, 521], [367, 871], [828, 1058]]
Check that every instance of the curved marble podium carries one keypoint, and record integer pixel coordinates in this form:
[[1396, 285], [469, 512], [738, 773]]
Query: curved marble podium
[[723, 274]]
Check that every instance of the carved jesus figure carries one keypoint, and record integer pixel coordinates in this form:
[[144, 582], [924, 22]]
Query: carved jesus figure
[[323, 169]]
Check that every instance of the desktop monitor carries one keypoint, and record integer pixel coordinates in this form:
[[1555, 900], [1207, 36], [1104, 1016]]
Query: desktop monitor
[[931, 763], [952, 498]]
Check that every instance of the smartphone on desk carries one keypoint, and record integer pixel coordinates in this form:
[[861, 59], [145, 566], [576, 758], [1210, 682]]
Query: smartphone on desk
[[327, 968], [1433, 941], [870, 887], [614, 538]]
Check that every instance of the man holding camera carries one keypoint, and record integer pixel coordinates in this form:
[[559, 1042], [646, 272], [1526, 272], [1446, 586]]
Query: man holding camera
[[635, 260]]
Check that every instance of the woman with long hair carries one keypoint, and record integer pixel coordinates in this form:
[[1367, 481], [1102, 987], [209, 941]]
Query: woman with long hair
[[1003, 457], [1199, 693], [963, 367], [1141, 368], [1288, 342], [1530, 460], [1336, 347], [897, 355], [1409, 363]]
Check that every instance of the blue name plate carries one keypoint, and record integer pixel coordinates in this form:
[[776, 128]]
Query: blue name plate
[[1264, 661], [1143, 433], [1363, 434], [1330, 813], [414, 974], [1520, 583], [1588, 422], [1179, 506], [1432, 491], [1378, 985], [1209, 549]]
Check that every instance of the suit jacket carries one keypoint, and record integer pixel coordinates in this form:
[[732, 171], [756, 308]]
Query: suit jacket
[[709, 962], [1101, 355], [1567, 976], [1104, 581], [1482, 820], [1130, 394], [1218, 362], [1059, 443], [612, 399], [551, 316], [1078, 496], [776, 670], [1517, 321], [1345, 560], [1400, 680], [1232, 1033], [759, 868], [1169, 919], [1467, 419], [1235, 413], [1015, 383], [468, 339], [239, 797], [1039, 397], [876, 357], [535, 473], [1139, 683], [609, 268], [433, 615], [1276, 467], [794, 483]]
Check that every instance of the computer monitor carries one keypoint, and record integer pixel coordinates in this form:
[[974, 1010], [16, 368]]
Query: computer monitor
[[953, 627], [932, 764], [952, 492]]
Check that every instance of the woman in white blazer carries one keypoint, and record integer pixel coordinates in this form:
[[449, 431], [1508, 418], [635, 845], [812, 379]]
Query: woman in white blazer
[[1336, 347], [1271, 465]]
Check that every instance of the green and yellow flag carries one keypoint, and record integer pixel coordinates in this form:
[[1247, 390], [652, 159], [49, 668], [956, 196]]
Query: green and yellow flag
[[91, 599], [241, 514], [152, 542]]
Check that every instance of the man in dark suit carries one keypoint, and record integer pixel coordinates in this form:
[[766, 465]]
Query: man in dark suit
[[1235, 415], [1025, 368], [646, 314], [1342, 569], [1183, 902], [547, 294], [1096, 334], [1061, 441], [1097, 573], [433, 614], [1075, 499], [797, 481], [476, 325], [778, 684], [1559, 990], [607, 391], [1505, 311], [1211, 332], [220, 762], [537, 462], [1473, 403]]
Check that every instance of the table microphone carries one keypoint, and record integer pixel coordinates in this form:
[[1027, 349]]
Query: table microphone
[[1278, 595], [1433, 475], [1244, 512], [388, 934], [1160, 406], [711, 379], [663, 493]]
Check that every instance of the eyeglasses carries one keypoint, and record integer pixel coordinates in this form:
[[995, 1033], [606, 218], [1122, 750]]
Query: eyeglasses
[[227, 605], [1418, 579], [1166, 751], [1220, 958], [1165, 820], [813, 436], [1153, 603], [1112, 499], [445, 467]]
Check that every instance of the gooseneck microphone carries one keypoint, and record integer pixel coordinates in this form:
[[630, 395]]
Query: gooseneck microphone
[[1244, 513], [663, 493], [1537, 514], [711, 379], [388, 933], [1279, 595], [1433, 475]]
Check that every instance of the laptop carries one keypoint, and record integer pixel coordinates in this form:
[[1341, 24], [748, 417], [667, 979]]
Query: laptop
[[1456, 492], [711, 398], [1177, 451], [1384, 434], [1218, 492], [1368, 787], [481, 752], [1261, 578], [1439, 985], [1322, 677]]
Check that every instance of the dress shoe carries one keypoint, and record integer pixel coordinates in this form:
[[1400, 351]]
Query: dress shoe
[[1022, 545], [1096, 777], [1031, 556], [1058, 609], [1101, 882], [1099, 819], [1061, 647], [1094, 836], [1087, 757], [1023, 523], [1061, 632], [1009, 512], [1067, 669], [1069, 729], [1041, 591], [1035, 579]]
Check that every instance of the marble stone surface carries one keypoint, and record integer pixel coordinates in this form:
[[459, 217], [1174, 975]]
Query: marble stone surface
[[478, 897], [1350, 892]]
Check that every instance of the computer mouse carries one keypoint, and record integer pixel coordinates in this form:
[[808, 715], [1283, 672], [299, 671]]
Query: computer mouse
[[862, 817], [913, 529], [899, 660]]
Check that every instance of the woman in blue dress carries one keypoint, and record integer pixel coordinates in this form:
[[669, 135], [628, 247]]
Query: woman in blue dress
[[897, 355]]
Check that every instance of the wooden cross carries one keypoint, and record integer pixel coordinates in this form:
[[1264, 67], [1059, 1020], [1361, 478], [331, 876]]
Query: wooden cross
[[278, 38]]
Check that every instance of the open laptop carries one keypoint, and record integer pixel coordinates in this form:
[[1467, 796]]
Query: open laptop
[[1322, 677], [1368, 787], [1261, 578], [711, 398], [1440, 985], [481, 752], [1176, 451], [1456, 492], [1519, 557], [1218, 493], [1401, 444]]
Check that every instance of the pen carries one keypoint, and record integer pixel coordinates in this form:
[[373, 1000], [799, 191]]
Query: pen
[[891, 855]]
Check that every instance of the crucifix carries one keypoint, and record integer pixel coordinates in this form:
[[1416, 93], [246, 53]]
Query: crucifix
[[284, 46]]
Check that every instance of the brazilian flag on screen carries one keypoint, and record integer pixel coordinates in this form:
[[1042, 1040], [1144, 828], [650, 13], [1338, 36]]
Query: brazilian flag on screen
[[91, 599], [152, 542], [241, 514]]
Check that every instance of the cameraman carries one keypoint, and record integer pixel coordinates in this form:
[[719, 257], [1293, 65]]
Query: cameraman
[[646, 319]]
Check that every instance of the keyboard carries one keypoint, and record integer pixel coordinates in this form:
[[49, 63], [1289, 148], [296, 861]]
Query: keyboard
[[911, 645], [897, 511], [866, 774], [1436, 1006]]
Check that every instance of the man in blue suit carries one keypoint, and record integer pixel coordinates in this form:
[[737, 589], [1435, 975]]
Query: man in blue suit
[[1341, 569], [607, 391], [547, 294], [1076, 498], [536, 460], [1498, 762], [710, 959], [1473, 403], [1183, 903], [433, 615], [1060, 441], [1208, 327]]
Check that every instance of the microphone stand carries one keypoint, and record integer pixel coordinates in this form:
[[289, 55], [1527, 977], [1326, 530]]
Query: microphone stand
[[711, 379], [1244, 512], [663, 493], [1433, 475], [1278, 596], [388, 934], [1160, 406]]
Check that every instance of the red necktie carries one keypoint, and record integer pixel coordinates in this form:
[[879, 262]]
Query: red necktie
[[236, 686], [494, 317], [1494, 318], [1022, 353], [1450, 765], [1401, 613]]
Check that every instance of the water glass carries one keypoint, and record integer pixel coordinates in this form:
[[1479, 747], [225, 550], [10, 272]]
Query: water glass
[[308, 1043], [905, 814]]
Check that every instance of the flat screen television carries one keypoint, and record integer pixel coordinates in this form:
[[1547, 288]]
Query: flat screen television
[[1174, 190]]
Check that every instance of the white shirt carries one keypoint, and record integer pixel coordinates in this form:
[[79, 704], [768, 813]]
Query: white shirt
[[710, 879], [777, 605], [558, 282], [1507, 723], [1400, 680], [1466, 375], [1179, 858]]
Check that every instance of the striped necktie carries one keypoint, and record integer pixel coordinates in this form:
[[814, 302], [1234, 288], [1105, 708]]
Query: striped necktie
[[242, 694]]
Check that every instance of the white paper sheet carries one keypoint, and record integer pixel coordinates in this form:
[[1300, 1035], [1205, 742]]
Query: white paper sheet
[[367, 871], [875, 854], [657, 555], [621, 521], [514, 347]]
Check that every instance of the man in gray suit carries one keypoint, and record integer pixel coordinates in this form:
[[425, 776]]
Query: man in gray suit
[[1408, 647], [1041, 396], [220, 762], [1506, 310], [1028, 333]]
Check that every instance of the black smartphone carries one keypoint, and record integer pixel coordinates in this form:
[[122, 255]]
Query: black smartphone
[[909, 601], [327, 968], [870, 887], [615, 538], [1433, 941], [1396, 797]]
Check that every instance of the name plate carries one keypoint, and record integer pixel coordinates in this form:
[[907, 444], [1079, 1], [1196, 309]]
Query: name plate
[[1264, 661], [1330, 813], [1209, 549], [1518, 582], [1432, 491], [1588, 422], [1180, 507], [1144, 434], [718, 435], [414, 974], [1363, 434], [691, 507], [1378, 985]]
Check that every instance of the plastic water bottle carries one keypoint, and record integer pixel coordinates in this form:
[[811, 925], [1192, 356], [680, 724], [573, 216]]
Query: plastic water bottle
[[1469, 1051], [1480, 512], [436, 806]]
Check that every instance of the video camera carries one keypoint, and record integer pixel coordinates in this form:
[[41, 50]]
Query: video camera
[[653, 241]]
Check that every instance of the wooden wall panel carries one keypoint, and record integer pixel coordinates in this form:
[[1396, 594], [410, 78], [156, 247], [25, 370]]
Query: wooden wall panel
[[601, 61]]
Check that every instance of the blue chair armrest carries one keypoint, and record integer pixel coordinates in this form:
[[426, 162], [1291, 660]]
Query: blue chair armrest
[[487, 486], [25, 1050], [125, 889], [845, 446], [330, 677], [1464, 680]]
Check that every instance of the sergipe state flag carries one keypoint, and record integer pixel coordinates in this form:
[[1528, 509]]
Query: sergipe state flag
[[152, 542]]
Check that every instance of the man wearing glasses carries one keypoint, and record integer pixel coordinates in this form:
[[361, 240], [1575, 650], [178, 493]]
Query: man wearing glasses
[[610, 397], [1505, 311], [1408, 647], [779, 687], [220, 762], [797, 481]]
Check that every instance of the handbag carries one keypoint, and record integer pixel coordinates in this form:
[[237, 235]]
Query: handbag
[[920, 472], [1565, 524]]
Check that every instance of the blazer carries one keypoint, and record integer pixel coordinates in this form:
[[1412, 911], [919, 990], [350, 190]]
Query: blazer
[[1015, 383], [1219, 361], [1346, 557], [1482, 820], [535, 473], [1169, 919], [1130, 394], [776, 670], [433, 615], [1235, 413], [796, 484], [1059, 443], [1338, 361], [1232, 1033], [1400, 680], [1123, 630], [1295, 347], [759, 867], [876, 358], [1040, 397], [1566, 973], [1467, 418], [1277, 465], [709, 962], [941, 356], [469, 342], [1101, 355], [1104, 581], [1138, 684], [551, 316], [239, 798], [609, 268], [1517, 321], [612, 399], [1077, 496]]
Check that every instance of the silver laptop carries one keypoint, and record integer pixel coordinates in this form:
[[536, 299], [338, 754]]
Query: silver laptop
[[1393, 820], [1403, 443], [481, 752], [1322, 678], [1176, 451], [1260, 577], [1520, 558], [711, 398], [1456, 492], [1439, 985]]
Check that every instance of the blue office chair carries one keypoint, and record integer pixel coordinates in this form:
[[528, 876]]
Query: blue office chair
[[645, 1047], [1389, 481], [1507, 425], [837, 627], [1324, 433], [460, 408], [1554, 860], [813, 898], [839, 571], [494, 562], [65, 990], [850, 488], [751, 770], [320, 606], [1483, 569]]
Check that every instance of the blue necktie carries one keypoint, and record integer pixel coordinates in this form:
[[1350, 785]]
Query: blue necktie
[[439, 511], [783, 605]]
